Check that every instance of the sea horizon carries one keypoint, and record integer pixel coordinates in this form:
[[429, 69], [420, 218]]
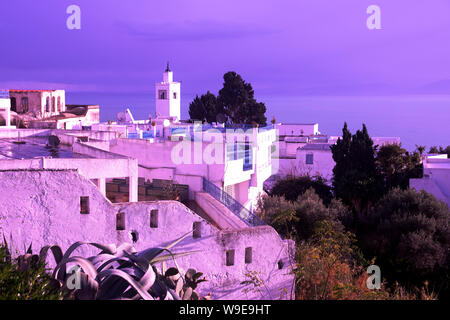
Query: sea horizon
[[416, 118]]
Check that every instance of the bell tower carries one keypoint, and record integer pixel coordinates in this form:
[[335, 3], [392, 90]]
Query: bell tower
[[168, 96]]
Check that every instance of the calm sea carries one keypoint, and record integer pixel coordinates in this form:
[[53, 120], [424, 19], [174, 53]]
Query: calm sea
[[416, 119]]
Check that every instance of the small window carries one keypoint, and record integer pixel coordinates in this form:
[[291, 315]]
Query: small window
[[162, 94], [47, 104], [280, 264], [248, 255], [13, 104], [174, 95], [154, 219], [309, 158], [84, 205], [230, 257], [197, 230], [120, 221], [134, 236]]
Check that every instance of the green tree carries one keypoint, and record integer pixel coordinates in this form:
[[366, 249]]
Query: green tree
[[236, 102], [397, 166], [236, 98], [440, 150], [356, 177], [341, 153], [204, 108]]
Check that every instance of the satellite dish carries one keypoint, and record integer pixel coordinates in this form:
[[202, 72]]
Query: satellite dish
[[121, 117], [220, 118]]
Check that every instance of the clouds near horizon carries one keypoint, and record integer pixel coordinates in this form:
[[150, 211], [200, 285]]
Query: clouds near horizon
[[281, 47]]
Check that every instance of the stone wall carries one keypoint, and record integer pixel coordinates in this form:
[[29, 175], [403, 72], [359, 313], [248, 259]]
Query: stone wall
[[42, 207]]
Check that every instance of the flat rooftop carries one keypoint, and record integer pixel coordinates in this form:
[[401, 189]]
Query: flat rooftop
[[316, 146], [32, 148]]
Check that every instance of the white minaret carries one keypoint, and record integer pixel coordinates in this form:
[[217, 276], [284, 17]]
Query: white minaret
[[168, 96]]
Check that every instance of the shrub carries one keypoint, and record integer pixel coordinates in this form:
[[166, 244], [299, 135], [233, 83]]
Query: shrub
[[297, 219], [330, 266], [115, 273], [408, 232], [327, 267], [279, 213], [292, 187], [25, 278]]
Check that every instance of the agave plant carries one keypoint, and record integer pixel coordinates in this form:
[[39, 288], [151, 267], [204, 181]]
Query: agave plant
[[120, 273]]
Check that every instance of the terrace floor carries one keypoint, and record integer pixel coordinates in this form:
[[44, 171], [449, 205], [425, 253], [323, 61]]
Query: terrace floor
[[29, 148]]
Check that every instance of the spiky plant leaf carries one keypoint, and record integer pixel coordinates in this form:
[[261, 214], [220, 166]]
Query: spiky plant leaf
[[172, 256], [137, 286], [56, 251], [197, 276], [190, 273], [179, 286], [171, 272], [187, 294]]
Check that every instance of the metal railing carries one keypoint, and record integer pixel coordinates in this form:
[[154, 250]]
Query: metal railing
[[4, 94], [232, 204]]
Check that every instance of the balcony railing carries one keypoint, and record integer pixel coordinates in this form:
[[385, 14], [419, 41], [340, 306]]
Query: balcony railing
[[232, 204], [4, 94]]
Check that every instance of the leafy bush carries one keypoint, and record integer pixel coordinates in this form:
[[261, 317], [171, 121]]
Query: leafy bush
[[292, 187], [115, 273], [310, 209], [297, 219], [25, 278], [326, 268], [440, 150], [397, 166], [330, 266], [408, 232], [279, 213]]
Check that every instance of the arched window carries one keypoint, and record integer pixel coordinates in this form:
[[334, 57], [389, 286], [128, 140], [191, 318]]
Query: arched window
[[54, 104], [59, 105], [13, 104], [47, 104]]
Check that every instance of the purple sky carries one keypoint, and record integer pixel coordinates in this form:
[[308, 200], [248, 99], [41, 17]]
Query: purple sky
[[281, 47]]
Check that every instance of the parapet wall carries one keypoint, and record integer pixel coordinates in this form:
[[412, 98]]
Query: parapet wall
[[42, 207]]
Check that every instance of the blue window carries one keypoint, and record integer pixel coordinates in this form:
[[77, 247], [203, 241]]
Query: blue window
[[309, 158]]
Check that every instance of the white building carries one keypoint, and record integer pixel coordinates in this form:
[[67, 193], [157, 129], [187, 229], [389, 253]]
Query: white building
[[168, 97], [5, 108], [436, 177], [236, 160], [59, 201], [309, 153]]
